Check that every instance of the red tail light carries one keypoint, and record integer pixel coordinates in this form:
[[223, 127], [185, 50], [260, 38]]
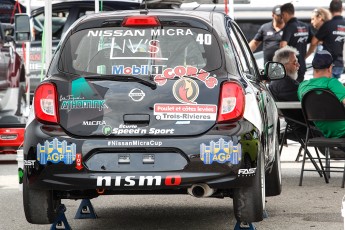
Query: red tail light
[[231, 102], [149, 21], [45, 102]]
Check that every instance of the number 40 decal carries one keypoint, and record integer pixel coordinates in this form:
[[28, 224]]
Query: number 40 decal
[[204, 39]]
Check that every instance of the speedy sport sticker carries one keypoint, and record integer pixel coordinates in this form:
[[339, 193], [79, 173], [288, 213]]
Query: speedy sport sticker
[[185, 112], [221, 151], [190, 71], [135, 130]]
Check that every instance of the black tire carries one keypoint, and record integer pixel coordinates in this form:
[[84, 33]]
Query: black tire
[[274, 175], [249, 202], [40, 207]]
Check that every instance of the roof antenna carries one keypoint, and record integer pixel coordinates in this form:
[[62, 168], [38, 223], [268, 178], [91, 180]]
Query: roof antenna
[[145, 5]]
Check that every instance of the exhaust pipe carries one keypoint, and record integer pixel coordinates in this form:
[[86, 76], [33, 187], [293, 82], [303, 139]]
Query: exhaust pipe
[[200, 190]]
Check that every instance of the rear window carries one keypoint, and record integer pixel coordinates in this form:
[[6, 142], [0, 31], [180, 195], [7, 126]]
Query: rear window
[[139, 51]]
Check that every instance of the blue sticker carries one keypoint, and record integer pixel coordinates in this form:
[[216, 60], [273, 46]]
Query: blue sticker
[[55, 152], [221, 152]]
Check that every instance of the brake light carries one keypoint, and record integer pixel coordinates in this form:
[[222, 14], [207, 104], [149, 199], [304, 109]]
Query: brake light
[[45, 103], [231, 102], [133, 21]]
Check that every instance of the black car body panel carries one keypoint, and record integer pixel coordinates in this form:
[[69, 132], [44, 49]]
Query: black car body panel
[[153, 120]]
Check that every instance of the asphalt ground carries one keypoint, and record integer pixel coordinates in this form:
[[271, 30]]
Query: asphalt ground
[[315, 205]]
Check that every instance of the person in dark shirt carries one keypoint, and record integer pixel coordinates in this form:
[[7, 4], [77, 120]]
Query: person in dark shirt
[[270, 35], [286, 89], [296, 34], [332, 35]]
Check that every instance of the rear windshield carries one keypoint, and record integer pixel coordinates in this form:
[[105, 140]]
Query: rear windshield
[[134, 51]]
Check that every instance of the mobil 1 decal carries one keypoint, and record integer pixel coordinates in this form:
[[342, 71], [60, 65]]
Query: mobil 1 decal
[[186, 91]]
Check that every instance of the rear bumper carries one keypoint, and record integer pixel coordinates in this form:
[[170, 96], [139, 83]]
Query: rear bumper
[[11, 139], [135, 164]]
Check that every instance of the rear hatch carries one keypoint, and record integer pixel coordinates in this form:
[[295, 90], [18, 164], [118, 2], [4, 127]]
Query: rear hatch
[[143, 77]]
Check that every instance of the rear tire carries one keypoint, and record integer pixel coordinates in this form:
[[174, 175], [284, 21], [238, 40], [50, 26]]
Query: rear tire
[[249, 202], [274, 176], [40, 207]]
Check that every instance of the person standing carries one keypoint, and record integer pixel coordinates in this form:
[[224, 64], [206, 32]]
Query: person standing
[[270, 35], [332, 35], [296, 34], [319, 16]]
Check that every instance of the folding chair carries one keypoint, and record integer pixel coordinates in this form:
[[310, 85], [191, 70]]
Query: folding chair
[[322, 105], [293, 131]]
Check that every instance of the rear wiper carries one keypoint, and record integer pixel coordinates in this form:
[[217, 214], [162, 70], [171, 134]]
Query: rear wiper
[[150, 84]]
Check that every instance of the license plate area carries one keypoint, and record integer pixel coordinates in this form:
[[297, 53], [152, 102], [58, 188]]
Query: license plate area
[[8, 136], [136, 161]]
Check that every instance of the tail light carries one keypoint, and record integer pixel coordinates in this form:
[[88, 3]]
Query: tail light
[[45, 102], [231, 103], [133, 21]]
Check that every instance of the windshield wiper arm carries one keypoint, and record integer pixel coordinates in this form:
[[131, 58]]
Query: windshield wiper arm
[[150, 84]]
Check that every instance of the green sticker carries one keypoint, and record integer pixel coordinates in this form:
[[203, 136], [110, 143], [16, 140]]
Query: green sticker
[[21, 175]]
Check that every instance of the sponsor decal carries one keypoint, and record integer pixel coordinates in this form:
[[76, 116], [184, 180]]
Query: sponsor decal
[[29, 163], [190, 71], [302, 39], [20, 175], [341, 32], [136, 94], [340, 39], [182, 122], [80, 90], [185, 112], [134, 129], [221, 152], [170, 180], [138, 70], [91, 123], [135, 143], [120, 51], [70, 102], [107, 130], [247, 172], [78, 161], [186, 90], [136, 33], [56, 151]]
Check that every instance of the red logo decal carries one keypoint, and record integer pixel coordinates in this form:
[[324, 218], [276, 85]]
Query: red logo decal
[[78, 161]]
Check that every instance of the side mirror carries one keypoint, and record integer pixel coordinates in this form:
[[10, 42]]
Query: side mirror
[[22, 28], [274, 70]]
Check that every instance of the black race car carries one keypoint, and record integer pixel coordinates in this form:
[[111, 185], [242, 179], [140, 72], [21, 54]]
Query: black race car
[[153, 102]]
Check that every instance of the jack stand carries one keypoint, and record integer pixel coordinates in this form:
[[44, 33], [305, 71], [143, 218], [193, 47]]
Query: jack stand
[[61, 218], [244, 226], [85, 210]]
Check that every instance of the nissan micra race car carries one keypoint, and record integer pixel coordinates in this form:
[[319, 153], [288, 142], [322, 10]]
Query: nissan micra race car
[[153, 102]]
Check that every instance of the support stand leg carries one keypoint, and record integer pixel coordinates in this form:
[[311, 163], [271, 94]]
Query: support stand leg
[[85, 210], [61, 219]]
